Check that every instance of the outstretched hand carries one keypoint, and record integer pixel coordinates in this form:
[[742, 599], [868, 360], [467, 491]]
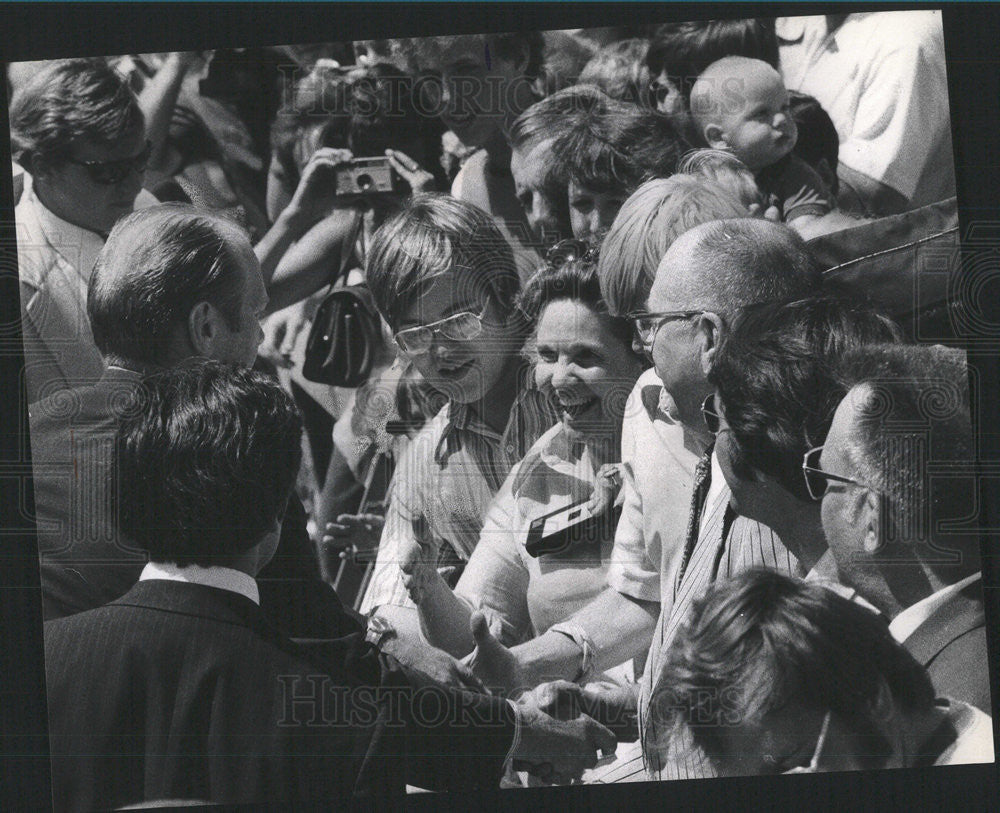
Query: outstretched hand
[[493, 663], [559, 751], [316, 193], [354, 534], [419, 565]]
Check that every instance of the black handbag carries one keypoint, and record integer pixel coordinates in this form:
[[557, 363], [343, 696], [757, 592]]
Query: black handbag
[[346, 332]]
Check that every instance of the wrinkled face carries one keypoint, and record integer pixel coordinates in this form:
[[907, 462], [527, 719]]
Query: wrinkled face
[[844, 518], [240, 346], [543, 208], [472, 89], [70, 191], [592, 213], [587, 370], [464, 371], [675, 348], [756, 121]]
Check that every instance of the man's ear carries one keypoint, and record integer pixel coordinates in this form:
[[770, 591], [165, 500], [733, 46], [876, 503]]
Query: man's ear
[[870, 521], [710, 327], [715, 138], [203, 329]]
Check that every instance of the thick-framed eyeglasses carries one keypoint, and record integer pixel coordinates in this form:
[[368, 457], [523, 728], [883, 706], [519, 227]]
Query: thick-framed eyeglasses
[[813, 766], [818, 481], [569, 250], [109, 173], [648, 324], [459, 327]]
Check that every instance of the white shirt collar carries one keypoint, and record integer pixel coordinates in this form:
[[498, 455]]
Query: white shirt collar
[[224, 578], [906, 623]]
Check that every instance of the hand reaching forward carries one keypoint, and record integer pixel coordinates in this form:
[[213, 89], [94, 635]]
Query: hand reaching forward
[[495, 665], [611, 705], [559, 751], [354, 534], [419, 565]]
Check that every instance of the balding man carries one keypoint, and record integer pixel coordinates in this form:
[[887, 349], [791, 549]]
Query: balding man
[[708, 274], [170, 284], [895, 477]]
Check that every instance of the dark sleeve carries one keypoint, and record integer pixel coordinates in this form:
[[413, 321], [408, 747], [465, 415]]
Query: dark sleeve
[[446, 740], [292, 594], [798, 187]]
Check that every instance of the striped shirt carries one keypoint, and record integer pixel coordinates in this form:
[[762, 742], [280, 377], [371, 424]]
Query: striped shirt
[[727, 545], [444, 484]]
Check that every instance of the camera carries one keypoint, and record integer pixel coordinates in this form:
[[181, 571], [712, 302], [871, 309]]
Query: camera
[[368, 176]]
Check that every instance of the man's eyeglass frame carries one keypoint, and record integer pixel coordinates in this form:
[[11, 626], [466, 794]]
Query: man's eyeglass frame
[[810, 468], [661, 317], [109, 173]]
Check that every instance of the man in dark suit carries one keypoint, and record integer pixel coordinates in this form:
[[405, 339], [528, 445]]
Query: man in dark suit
[[172, 283], [182, 689], [898, 487]]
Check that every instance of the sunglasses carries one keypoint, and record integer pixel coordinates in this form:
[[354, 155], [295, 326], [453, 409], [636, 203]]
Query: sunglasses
[[109, 173], [818, 481], [459, 327], [813, 765], [648, 324]]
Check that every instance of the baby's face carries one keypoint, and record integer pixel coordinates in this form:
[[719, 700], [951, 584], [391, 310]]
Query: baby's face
[[756, 123]]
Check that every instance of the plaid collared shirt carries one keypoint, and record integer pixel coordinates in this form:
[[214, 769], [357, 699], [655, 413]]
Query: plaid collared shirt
[[444, 484]]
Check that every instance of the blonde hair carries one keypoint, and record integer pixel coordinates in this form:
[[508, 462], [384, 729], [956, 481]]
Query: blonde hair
[[656, 214]]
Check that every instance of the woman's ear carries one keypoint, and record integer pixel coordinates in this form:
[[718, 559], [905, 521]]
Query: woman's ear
[[710, 327]]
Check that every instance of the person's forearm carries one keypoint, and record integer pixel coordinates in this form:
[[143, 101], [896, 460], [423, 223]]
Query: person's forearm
[[863, 195], [157, 101], [444, 619], [619, 627], [289, 227]]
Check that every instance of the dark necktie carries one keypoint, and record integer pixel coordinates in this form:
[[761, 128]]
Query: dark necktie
[[702, 483]]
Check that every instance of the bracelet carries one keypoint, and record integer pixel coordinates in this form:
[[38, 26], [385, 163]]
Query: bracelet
[[580, 637]]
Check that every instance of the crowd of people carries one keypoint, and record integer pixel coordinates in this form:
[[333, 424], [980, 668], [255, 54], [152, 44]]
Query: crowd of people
[[616, 480]]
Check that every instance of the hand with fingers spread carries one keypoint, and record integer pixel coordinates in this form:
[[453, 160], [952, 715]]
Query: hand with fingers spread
[[419, 179], [316, 194], [559, 751]]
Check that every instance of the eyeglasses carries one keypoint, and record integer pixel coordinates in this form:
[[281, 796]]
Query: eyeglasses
[[569, 250], [109, 173], [648, 324], [813, 765], [712, 419], [459, 327], [817, 480]]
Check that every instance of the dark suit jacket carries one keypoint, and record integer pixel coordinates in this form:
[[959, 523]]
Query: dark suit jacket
[[85, 563], [951, 645], [183, 691]]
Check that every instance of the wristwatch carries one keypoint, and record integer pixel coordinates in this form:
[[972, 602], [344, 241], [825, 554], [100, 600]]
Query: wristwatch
[[378, 631]]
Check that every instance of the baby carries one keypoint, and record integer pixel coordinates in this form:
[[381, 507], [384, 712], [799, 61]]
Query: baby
[[740, 105]]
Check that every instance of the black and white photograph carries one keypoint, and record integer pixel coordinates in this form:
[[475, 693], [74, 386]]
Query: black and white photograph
[[452, 417]]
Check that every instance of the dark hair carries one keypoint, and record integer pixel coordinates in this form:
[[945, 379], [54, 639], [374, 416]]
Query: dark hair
[[509, 46], [563, 57], [68, 101], [776, 377], [616, 147], [577, 281], [685, 49], [911, 407], [763, 640], [818, 139], [206, 456], [157, 264], [367, 110], [620, 70], [435, 236], [743, 261]]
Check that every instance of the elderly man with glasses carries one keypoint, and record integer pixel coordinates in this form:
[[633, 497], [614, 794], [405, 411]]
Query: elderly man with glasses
[[898, 489]]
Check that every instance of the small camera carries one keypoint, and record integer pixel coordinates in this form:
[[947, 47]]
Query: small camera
[[368, 176]]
